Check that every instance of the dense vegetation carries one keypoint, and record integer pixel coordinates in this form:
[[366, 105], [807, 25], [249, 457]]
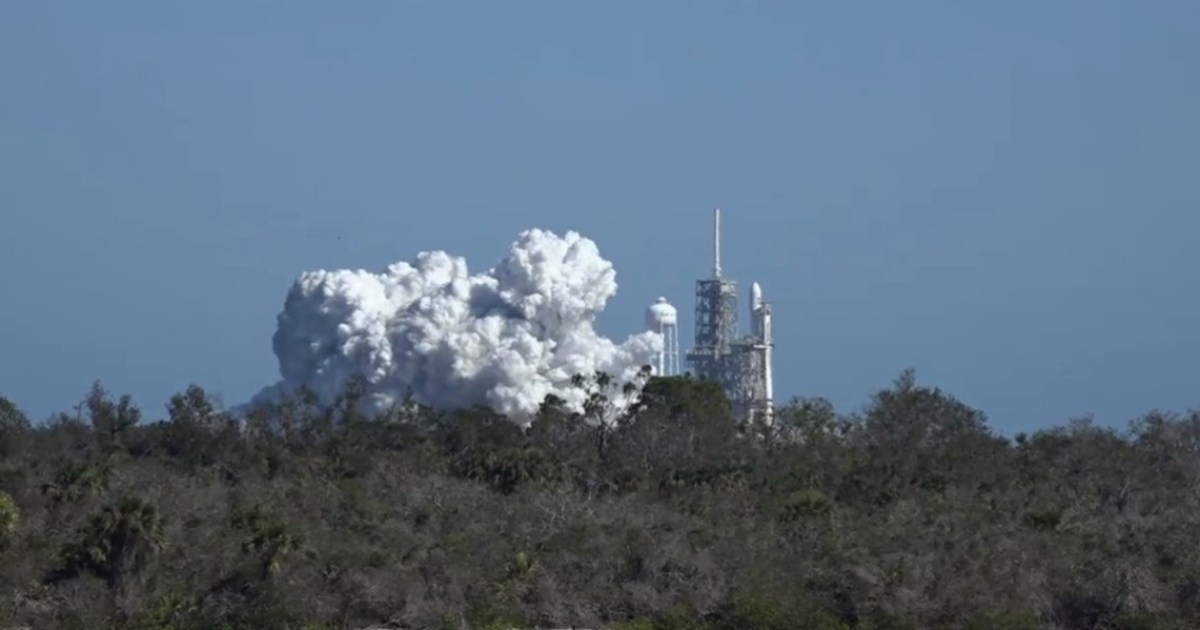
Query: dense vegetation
[[908, 514]]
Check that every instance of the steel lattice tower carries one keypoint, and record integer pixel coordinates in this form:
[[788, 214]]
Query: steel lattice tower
[[742, 365]]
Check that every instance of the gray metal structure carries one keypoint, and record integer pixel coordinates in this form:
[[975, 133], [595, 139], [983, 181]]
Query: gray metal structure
[[741, 364]]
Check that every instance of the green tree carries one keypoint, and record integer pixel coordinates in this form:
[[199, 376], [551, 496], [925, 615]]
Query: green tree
[[110, 419], [681, 428], [808, 420], [10, 515], [197, 432], [917, 437], [14, 427]]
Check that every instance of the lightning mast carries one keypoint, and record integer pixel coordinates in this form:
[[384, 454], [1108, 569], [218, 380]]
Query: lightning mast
[[716, 242]]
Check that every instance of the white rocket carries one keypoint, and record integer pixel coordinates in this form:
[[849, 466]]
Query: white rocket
[[760, 318]]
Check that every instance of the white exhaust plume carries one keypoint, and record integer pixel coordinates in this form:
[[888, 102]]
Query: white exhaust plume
[[504, 338]]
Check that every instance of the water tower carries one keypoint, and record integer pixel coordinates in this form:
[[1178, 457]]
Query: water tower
[[663, 319]]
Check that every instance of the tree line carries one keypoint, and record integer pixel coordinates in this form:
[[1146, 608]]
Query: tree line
[[663, 513]]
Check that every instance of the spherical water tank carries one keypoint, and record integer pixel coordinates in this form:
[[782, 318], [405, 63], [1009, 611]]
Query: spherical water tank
[[661, 313]]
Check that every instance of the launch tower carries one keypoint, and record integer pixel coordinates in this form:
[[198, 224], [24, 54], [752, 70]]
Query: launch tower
[[741, 364]]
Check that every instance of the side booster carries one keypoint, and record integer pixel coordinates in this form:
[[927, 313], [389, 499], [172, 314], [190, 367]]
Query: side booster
[[760, 318]]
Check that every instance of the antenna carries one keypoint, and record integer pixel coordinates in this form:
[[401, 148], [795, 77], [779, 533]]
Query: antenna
[[717, 242]]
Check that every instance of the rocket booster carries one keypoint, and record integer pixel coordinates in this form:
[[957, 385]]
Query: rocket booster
[[760, 318], [760, 315]]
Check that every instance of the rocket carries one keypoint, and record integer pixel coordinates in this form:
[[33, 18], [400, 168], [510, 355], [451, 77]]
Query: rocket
[[760, 318], [760, 315]]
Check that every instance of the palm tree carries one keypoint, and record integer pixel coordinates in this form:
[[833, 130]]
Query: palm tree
[[269, 541], [75, 480], [116, 542]]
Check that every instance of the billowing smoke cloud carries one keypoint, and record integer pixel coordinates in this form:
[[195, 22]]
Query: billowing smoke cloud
[[504, 338]]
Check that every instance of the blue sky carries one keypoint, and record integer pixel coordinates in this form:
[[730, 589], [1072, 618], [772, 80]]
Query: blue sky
[[1003, 196]]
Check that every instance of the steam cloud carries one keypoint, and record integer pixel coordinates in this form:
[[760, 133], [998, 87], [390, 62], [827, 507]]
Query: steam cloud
[[504, 338]]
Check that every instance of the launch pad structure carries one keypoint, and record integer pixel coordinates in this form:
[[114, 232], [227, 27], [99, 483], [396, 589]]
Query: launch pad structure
[[742, 364]]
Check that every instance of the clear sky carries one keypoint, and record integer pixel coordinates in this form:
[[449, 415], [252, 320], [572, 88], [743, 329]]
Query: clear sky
[[1004, 196]]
